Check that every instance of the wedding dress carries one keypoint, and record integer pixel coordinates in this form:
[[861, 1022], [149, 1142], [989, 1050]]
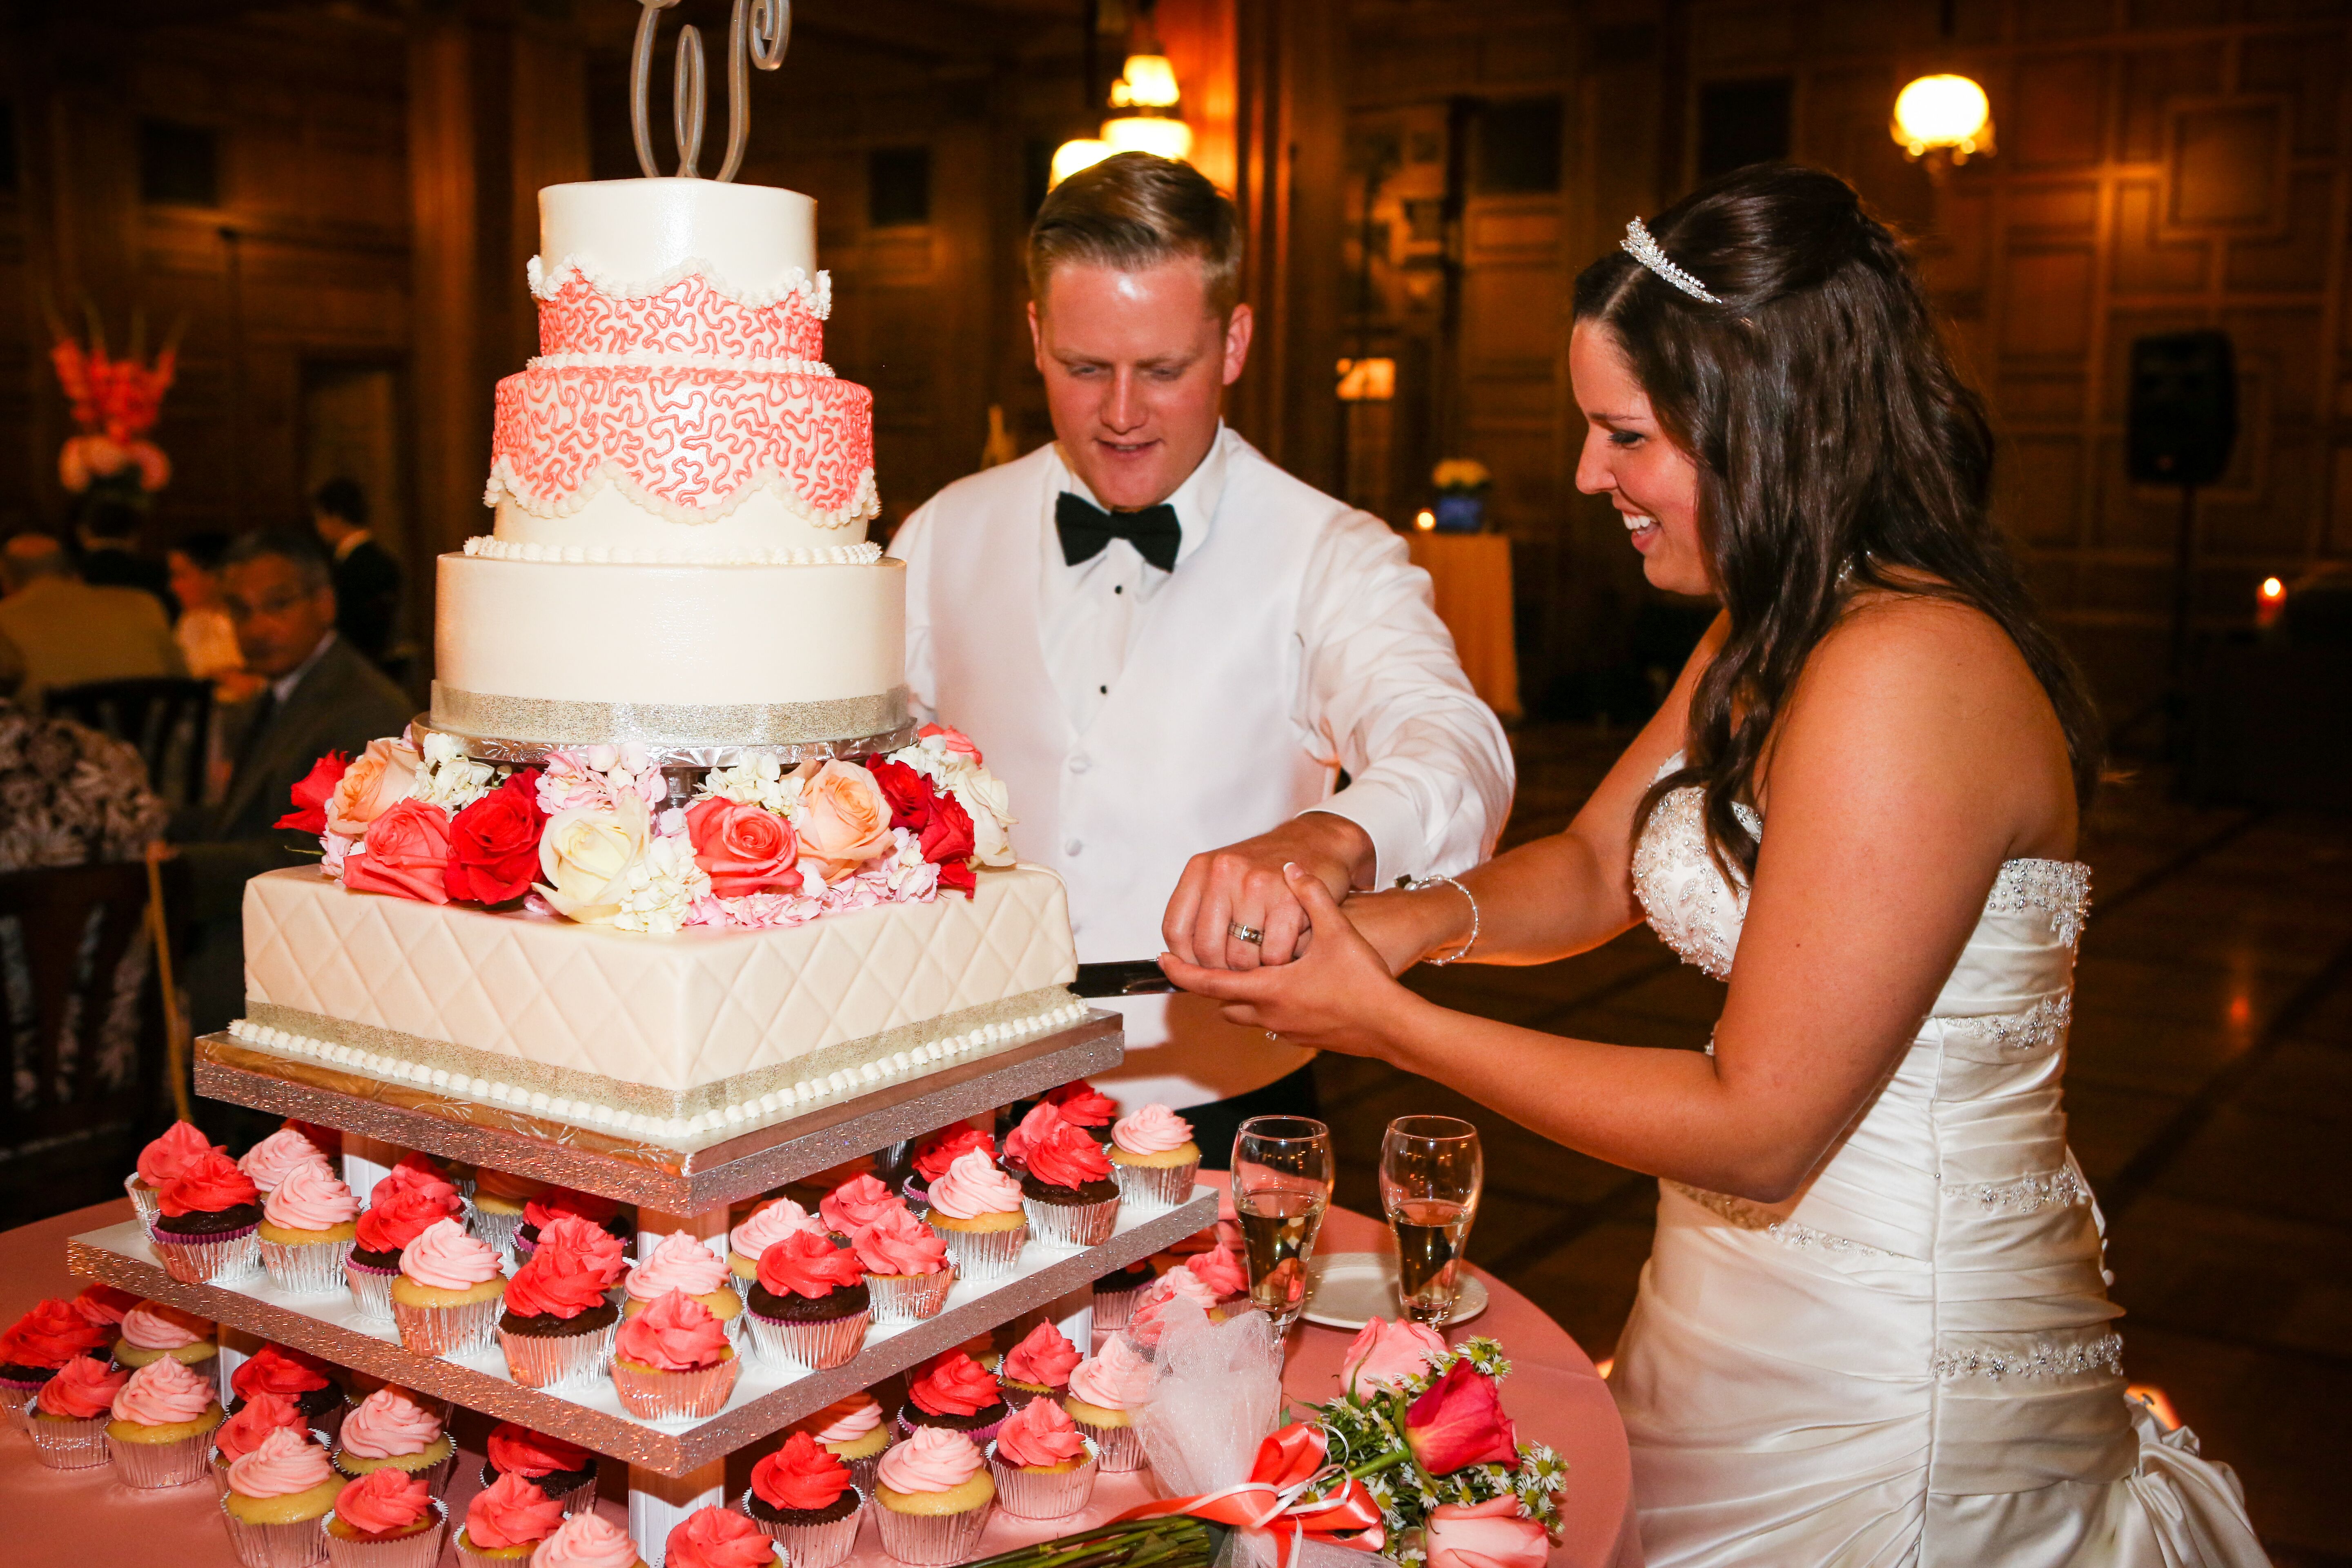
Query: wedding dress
[[1913, 1360]]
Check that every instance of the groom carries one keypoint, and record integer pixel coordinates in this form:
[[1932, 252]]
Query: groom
[[1169, 647]]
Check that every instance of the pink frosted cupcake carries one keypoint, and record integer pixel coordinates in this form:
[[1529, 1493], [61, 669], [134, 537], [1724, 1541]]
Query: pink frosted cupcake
[[390, 1430], [976, 1210], [309, 1227], [163, 1417], [854, 1429], [160, 1161], [937, 1152], [672, 1362], [679, 1262], [907, 1268], [268, 1161], [1038, 1367], [855, 1204], [1104, 1390], [762, 1228], [954, 1391], [933, 1500], [253, 1418], [714, 1537], [587, 1541], [152, 1330], [1153, 1158], [446, 1301], [1044, 1465], [564, 1471], [67, 1420], [1148, 1323], [505, 1523], [273, 1500]]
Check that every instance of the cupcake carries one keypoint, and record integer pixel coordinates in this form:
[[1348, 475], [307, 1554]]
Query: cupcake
[[395, 1217], [762, 1228], [1086, 1107], [1116, 1294], [105, 1305], [1153, 1157], [446, 1301], [932, 1500], [158, 1162], [806, 1501], [506, 1522], [855, 1204], [938, 1151], [268, 1161], [976, 1209], [1180, 1284], [672, 1361], [295, 1376], [539, 1212], [953, 1391], [587, 1541], [679, 1262], [66, 1419], [205, 1218], [1103, 1389], [36, 1344], [1068, 1190], [385, 1519], [557, 1330], [252, 1420], [714, 1537], [152, 1330], [907, 1267], [391, 1429], [1045, 1467], [1038, 1367], [163, 1417], [499, 1197], [810, 1307], [309, 1227], [564, 1471], [276, 1496], [1032, 1128], [417, 1168], [854, 1430]]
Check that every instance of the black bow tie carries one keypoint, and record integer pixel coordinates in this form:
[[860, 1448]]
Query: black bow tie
[[1087, 530]]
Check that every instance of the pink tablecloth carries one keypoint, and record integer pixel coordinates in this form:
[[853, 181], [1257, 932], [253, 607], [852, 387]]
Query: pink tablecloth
[[85, 1519]]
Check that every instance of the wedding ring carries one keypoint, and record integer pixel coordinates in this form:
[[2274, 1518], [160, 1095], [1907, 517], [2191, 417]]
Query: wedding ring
[[1241, 932]]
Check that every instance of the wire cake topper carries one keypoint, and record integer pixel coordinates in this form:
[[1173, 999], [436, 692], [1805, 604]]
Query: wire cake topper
[[757, 35]]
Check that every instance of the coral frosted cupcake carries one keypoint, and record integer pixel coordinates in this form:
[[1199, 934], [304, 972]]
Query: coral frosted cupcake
[[499, 1199], [1104, 1390], [162, 1425], [714, 1537], [1153, 1157], [1086, 1107], [1032, 1128], [936, 1152], [248, 1424], [855, 1204], [309, 1227], [762, 1228], [275, 1497], [907, 1267], [161, 1161], [587, 1541], [1068, 1190], [955, 1392], [976, 1209], [296, 1376], [391, 1429], [933, 1498], [36, 1344], [606, 1214], [385, 1519], [206, 1221], [806, 1501], [672, 1362], [854, 1430], [268, 1161], [506, 1522], [557, 1330], [446, 1301], [1038, 1367], [811, 1307], [152, 1330], [1225, 1275], [1044, 1465], [66, 1419], [395, 1217], [105, 1305], [564, 1471], [680, 1262]]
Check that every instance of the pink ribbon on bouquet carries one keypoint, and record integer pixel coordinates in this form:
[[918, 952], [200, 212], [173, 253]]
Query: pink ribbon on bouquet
[[1289, 1464]]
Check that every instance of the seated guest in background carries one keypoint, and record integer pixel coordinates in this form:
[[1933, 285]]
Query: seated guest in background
[[367, 579], [207, 637], [110, 558], [321, 697], [58, 631]]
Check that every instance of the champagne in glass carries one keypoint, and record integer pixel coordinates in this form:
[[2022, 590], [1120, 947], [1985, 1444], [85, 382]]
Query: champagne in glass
[[1283, 1174], [1430, 1175]]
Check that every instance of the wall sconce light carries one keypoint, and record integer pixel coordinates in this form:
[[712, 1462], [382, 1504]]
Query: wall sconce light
[[1150, 118], [1944, 115], [1425, 521], [2270, 600], [1366, 380]]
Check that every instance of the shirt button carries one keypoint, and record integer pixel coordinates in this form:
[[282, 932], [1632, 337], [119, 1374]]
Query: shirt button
[[1075, 846], [1081, 763]]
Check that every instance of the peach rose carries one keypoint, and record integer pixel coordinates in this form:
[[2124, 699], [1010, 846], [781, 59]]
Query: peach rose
[[844, 819], [587, 853], [1491, 1535], [744, 848], [407, 854], [1385, 1354], [370, 786]]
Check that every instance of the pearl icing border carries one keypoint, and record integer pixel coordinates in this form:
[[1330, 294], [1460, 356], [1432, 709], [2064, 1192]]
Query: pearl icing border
[[491, 548]]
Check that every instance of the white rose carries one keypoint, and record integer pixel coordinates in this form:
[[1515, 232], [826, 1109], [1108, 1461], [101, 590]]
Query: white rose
[[586, 855]]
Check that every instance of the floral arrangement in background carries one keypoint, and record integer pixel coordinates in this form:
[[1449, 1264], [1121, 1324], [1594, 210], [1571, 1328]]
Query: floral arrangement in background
[[1461, 476], [115, 403], [593, 835]]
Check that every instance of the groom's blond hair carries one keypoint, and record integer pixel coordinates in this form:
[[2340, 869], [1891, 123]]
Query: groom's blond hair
[[1136, 210]]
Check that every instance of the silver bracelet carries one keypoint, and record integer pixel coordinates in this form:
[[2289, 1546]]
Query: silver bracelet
[[1415, 884]]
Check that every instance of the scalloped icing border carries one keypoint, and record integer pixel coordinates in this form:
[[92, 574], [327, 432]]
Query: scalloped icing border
[[788, 365], [817, 295], [506, 484], [494, 549]]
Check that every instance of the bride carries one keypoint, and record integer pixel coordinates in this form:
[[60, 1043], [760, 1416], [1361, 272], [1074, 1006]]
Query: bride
[[1875, 1326]]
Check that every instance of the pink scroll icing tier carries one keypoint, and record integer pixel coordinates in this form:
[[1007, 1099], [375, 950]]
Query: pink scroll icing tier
[[687, 317]]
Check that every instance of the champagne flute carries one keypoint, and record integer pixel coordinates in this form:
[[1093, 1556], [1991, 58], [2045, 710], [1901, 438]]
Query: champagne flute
[[1283, 1174], [1431, 1174]]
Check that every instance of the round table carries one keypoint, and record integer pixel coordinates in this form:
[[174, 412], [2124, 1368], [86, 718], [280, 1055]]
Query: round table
[[85, 1517]]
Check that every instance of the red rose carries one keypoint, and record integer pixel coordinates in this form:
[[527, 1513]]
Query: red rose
[[745, 850], [1460, 1422], [311, 792], [406, 853], [957, 876], [939, 821], [946, 839], [909, 793], [494, 843]]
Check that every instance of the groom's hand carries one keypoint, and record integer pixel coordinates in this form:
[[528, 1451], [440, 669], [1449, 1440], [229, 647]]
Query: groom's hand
[[1242, 884]]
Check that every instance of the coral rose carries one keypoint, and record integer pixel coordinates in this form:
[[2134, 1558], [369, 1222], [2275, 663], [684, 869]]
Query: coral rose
[[494, 843], [744, 848], [311, 792], [1491, 1535], [406, 853], [585, 855], [372, 786], [1386, 1355], [844, 819], [1459, 1423]]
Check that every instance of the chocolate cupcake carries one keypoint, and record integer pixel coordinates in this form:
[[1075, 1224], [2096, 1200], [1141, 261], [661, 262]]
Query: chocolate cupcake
[[1086, 1107], [804, 1498], [1068, 1191], [36, 1344], [955, 1392], [602, 1212], [564, 1471], [298, 1378], [557, 1330], [162, 1161], [810, 1306], [206, 1221]]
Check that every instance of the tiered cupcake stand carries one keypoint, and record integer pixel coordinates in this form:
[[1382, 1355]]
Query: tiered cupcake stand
[[673, 1466]]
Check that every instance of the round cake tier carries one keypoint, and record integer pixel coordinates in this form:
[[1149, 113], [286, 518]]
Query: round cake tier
[[545, 653], [687, 317], [755, 242]]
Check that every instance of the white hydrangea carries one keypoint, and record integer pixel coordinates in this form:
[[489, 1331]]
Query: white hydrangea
[[763, 782], [980, 793], [449, 778], [662, 887]]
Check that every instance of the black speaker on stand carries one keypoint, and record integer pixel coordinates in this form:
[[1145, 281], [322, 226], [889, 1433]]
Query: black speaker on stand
[[2183, 424]]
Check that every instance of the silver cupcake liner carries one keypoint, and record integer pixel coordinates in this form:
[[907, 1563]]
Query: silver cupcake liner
[[16, 1398], [153, 1466], [676, 1396], [307, 1268], [447, 1330], [297, 1543], [422, 1549], [208, 1260], [1114, 1309], [983, 1254], [67, 1445], [816, 1346], [1117, 1450], [930, 1539], [1044, 1494], [436, 1476], [1156, 1186], [865, 1474], [559, 1361], [144, 1199], [812, 1545], [371, 1291], [909, 1298], [498, 1231], [1071, 1226]]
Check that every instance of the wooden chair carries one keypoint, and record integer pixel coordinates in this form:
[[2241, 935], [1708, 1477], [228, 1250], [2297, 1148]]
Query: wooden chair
[[168, 719]]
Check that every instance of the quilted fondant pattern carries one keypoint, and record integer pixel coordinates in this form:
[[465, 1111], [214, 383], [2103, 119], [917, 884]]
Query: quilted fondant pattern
[[673, 1012]]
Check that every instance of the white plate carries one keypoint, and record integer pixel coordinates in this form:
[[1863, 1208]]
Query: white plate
[[1349, 1289]]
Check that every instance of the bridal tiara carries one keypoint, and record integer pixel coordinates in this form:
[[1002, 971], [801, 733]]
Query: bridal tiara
[[1643, 249]]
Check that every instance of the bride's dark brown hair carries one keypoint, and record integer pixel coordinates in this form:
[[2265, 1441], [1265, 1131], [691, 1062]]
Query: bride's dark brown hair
[[1836, 445]]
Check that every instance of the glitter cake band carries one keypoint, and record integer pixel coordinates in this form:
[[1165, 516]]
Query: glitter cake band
[[553, 721]]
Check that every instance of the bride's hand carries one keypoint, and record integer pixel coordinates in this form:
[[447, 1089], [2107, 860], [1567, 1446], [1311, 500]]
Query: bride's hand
[[1339, 996]]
